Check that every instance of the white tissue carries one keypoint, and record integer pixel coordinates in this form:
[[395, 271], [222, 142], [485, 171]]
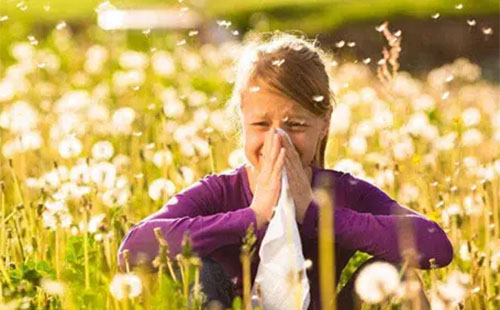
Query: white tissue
[[281, 259]]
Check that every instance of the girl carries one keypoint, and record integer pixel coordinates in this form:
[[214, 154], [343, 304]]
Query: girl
[[282, 83]]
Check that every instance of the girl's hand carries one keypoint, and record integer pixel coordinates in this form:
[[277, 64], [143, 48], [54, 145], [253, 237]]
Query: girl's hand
[[298, 178], [268, 182]]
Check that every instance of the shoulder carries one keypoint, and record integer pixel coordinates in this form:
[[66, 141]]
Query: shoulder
[[214, 187], [347, 188]]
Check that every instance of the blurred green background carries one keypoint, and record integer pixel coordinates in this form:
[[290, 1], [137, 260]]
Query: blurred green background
[[427, 42]]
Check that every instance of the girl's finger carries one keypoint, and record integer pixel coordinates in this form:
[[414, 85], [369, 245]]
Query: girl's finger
[[278, 167], [275, 149]]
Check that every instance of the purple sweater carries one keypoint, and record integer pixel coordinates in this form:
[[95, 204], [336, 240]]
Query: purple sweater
[[216, 212]]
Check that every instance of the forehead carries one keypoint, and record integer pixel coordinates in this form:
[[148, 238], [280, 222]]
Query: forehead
[[264, 102]]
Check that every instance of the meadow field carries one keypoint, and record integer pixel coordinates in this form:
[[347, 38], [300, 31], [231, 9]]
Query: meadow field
[[97, 133]]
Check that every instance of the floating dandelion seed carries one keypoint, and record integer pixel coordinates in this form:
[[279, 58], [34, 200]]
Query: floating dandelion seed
[[181, 42], [340, 44], [381, 28], [32, 40], [367, 60], [449, 78], [136, 88], [254, 89], [459, 6], [235, 33], [381, 62], [224, 23], [125, 286], [278, 62], [4, 18], [435, 16], [192, 33], [146, 31], [487, 30], [41, 65], [334, 63], [318, 98], [22, 6], [445, 95], [61, 25], [471, 22], [46, 7], [398, 33], [351, 44]]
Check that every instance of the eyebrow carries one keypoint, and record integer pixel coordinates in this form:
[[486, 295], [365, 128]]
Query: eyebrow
[[288, 115]]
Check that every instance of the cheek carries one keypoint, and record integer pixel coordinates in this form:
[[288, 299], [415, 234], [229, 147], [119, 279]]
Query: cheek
[[253, 144]]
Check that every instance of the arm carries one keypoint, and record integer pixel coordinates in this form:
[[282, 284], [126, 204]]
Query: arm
[[195, 209], [375, 222]]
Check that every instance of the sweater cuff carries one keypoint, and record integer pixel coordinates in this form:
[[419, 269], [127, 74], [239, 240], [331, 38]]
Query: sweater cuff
[[310, 223]]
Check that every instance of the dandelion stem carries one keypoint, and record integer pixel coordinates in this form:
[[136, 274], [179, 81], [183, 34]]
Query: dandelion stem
[[212, 161], [86, 248], [58, 270], [326, 249]]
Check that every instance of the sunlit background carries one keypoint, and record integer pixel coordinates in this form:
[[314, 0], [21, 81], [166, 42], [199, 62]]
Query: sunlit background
[[107, 109]]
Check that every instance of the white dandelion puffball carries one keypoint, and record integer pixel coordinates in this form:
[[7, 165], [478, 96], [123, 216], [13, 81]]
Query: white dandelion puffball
[[102, 150], [159, 186], [408, 193], [70, 147], [163, 64], [237, 157], [125, 286], [471, 116], [122, 120], [162, 158], [358, 145], [376, 282]]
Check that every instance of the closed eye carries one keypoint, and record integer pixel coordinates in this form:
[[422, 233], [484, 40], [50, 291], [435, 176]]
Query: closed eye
[[260, 124]]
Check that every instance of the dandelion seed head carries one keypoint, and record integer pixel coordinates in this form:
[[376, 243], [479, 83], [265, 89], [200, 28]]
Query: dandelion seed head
[[459, 6], [159, 187], [102, 150], [377, 281], [471, 22], [125, 286], [52, 287], [435, 16], [192, 33]]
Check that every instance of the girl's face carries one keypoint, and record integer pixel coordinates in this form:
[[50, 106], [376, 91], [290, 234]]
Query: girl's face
[[264, 109]]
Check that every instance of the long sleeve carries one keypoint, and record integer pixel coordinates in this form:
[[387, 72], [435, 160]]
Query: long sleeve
[[199, 209], [367, 219]]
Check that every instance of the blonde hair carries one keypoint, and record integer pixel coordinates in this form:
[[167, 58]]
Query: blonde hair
[[290, 64]]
